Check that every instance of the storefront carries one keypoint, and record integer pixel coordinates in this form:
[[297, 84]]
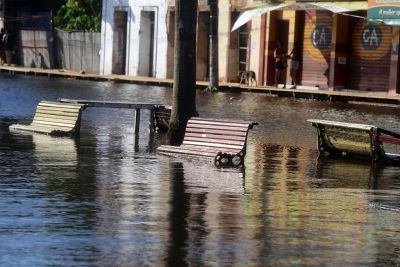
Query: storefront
[[338, 48], [368, 64], [316, 43]]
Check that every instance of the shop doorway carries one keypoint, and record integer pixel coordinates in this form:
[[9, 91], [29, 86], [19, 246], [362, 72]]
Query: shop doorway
[[146, 44], [368, 67], [202, 72], [119, 42], [243, 47], [282, 36]]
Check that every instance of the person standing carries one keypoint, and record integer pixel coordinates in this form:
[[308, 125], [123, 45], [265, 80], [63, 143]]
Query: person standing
[[2, 52], [294, 67], [280, 64], [8, 46]]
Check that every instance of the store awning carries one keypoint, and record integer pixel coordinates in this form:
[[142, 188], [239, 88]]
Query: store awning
[[335, 7]]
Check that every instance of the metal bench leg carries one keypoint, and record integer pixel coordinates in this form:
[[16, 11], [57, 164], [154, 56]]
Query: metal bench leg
[[222, 160], [237, 160]]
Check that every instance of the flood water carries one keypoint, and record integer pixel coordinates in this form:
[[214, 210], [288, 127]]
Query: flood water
[[107, 199]]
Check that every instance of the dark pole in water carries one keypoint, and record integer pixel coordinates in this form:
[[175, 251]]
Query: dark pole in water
[[213, 43], [184, 90]]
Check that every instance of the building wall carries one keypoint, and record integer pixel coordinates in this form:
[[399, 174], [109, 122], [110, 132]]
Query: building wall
[[254, 47], [133, 9], [224, 29]]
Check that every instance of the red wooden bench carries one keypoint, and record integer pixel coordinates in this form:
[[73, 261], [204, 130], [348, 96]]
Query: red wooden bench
[[223, 140]]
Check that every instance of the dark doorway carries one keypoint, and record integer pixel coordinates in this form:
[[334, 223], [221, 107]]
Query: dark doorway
[[243, 47], [203, 57], [119, 42], [282, 35], [146, 44]]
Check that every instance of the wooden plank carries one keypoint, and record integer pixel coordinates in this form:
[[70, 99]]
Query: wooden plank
[[211, 144], [202, 122], [41, 129], [212, 149], [244, 125], [54, 124], [217, 136], [179, 150], [364, 127], [58, 104], [198, 149], [52, 116], [55, 120], [58, 113], [218, 132], [65, 109], [216, 141], [222, 120], [217, 127]]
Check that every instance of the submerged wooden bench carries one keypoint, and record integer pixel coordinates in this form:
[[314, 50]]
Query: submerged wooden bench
[[54, 118], [223, 140], [355, 139], [162, 115]]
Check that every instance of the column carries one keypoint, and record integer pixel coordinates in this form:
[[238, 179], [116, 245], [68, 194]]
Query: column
[[338, 59]]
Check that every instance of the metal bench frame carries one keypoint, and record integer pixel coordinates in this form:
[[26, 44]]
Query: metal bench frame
[[222, 140]]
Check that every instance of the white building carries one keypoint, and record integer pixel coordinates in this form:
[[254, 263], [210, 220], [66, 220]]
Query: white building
[[134, 38]]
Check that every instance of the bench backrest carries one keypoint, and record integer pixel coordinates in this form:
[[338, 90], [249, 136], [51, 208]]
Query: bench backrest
[[223, 135], [63, 116]]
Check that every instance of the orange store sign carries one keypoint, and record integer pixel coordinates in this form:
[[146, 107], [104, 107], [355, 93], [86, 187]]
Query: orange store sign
[[383, 9]]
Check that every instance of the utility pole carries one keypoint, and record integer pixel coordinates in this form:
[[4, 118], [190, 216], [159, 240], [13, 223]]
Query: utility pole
[[184, 89], [213, 44]]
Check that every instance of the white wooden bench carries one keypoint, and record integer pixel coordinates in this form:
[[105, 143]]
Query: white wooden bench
[[54, 118], [223, 140], [354, 139]]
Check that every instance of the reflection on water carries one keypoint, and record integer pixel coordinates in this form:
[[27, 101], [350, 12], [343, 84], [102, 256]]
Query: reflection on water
[[106, 198]]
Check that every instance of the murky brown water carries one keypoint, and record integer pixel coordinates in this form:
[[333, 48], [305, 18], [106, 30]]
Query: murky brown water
[[106, 200]]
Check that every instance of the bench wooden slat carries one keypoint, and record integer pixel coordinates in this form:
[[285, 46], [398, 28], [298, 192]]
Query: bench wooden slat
[[54, 123], [217, 127], [59, 104], [212, 144], [217, 131], [71, 125], [213, 140], [60, 109], [215, 150], [217, 136], [57, 113], [55, 117], [39, 129], [211, 151], [249, 123], [207, 123], [180, 150]]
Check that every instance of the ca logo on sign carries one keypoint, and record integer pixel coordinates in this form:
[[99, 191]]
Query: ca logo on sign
[[371, 38]]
